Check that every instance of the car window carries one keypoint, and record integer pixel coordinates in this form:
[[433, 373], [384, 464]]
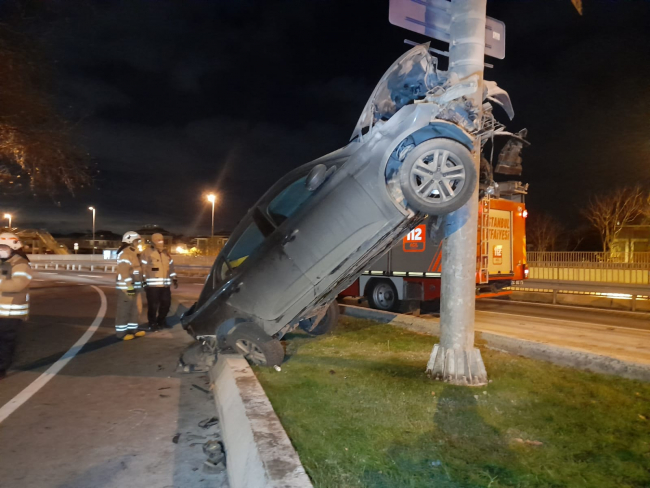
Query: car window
[[289, 201], [247, 243]]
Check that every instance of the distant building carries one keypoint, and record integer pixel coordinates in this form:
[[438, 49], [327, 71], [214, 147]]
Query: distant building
[[149, 230], [632, 239], [210, 245], [83, 243]]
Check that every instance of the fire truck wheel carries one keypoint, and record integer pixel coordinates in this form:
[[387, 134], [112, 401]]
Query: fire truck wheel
[[326, 324], [382, 295], [255, 345], [438, 176]]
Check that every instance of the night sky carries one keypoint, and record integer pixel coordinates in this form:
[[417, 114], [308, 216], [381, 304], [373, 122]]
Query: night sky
[[172, 99]]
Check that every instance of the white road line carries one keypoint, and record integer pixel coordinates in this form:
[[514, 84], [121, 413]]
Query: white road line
[[90, 276], [16, 402], [45, 272]]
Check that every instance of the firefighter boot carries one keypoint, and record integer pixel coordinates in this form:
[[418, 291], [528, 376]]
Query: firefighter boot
[[140, 333], [128, 337]]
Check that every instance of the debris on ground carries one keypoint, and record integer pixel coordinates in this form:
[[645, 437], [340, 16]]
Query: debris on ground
[[200, 388], [519, 440], [277, 368], [176, 438], [164, 388], [204, 424], [216, 462]]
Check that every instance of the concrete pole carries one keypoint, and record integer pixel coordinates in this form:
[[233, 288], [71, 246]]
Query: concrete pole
[[455, 359]]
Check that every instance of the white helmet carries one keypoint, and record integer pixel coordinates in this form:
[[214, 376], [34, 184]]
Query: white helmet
[[11, 240], [130, 237]]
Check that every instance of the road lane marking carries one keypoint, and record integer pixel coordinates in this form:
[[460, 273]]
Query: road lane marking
[[16, 402], [90, 276]]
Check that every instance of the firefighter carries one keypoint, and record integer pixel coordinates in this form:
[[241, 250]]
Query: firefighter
[[129, 286], [15, 277], [159, 274]]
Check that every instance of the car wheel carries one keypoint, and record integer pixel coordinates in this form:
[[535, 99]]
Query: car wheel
[[325, 324], [438, 176], [382, 295], [256, 346]]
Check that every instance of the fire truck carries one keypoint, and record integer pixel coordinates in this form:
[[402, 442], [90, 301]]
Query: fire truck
[[411, 270]]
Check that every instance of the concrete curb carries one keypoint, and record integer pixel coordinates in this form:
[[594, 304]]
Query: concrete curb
[[259, 453], [535, 350]]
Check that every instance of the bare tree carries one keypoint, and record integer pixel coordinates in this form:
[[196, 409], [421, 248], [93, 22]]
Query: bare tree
[[608, 213], [543, 232], [36, 151]]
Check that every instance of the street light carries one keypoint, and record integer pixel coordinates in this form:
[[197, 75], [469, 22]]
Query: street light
[[212, 198], [8, 216], [93, 209]]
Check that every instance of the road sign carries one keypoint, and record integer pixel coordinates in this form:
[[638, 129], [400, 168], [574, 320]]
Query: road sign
[[415, 241], [431, 18]]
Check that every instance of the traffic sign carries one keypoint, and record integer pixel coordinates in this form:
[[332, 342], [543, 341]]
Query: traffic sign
[[432, 18]]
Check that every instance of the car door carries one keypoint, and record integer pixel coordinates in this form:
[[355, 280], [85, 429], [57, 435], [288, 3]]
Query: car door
[[269, 285], [332, 229]]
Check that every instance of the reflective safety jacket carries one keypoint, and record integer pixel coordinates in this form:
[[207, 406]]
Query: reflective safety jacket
[[158, 268], [129, 270], [15, 277]]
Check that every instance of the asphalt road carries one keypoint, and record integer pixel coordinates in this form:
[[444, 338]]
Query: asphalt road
[[621, 335], [109, 417]]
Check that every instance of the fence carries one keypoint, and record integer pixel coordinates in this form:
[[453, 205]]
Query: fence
[[610, 267], [603, 260]]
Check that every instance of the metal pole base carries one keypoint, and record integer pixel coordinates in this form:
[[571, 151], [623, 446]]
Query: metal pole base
[[457, 366]]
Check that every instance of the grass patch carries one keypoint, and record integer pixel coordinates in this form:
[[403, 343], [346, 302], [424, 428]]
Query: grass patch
[[361, 412]]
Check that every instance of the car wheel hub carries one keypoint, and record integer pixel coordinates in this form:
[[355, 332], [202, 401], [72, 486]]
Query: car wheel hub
[[250, 351], [437, 177]]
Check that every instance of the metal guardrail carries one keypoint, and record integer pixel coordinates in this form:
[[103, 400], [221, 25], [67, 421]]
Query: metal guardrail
[[593, 260], [596, 289], [109, 267]]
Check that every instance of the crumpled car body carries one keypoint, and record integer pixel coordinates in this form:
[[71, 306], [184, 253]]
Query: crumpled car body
[[313, 232]]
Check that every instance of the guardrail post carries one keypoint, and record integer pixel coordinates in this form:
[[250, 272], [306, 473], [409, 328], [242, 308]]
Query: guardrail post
[[92, 267], [554, 297], [634, 302]]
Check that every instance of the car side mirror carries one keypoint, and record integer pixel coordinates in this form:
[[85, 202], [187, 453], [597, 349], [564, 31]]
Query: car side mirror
[[316, 177]]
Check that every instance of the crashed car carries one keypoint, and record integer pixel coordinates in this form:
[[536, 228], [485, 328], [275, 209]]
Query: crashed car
[[315, 230]]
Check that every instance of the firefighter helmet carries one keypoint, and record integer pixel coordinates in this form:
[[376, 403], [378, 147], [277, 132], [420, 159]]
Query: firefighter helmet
[[11, 240], [130, 237]]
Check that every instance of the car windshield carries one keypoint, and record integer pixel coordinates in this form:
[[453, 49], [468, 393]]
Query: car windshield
[[289, 201], [409, 78]]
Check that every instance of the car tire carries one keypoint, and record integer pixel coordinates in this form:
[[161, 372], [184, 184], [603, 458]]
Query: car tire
[[326, 324], [255, 345], [438, 176], [382, 295]]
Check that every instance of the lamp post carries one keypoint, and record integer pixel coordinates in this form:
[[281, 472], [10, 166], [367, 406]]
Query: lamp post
[[212, 198], [8, 216], [93, 209]]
